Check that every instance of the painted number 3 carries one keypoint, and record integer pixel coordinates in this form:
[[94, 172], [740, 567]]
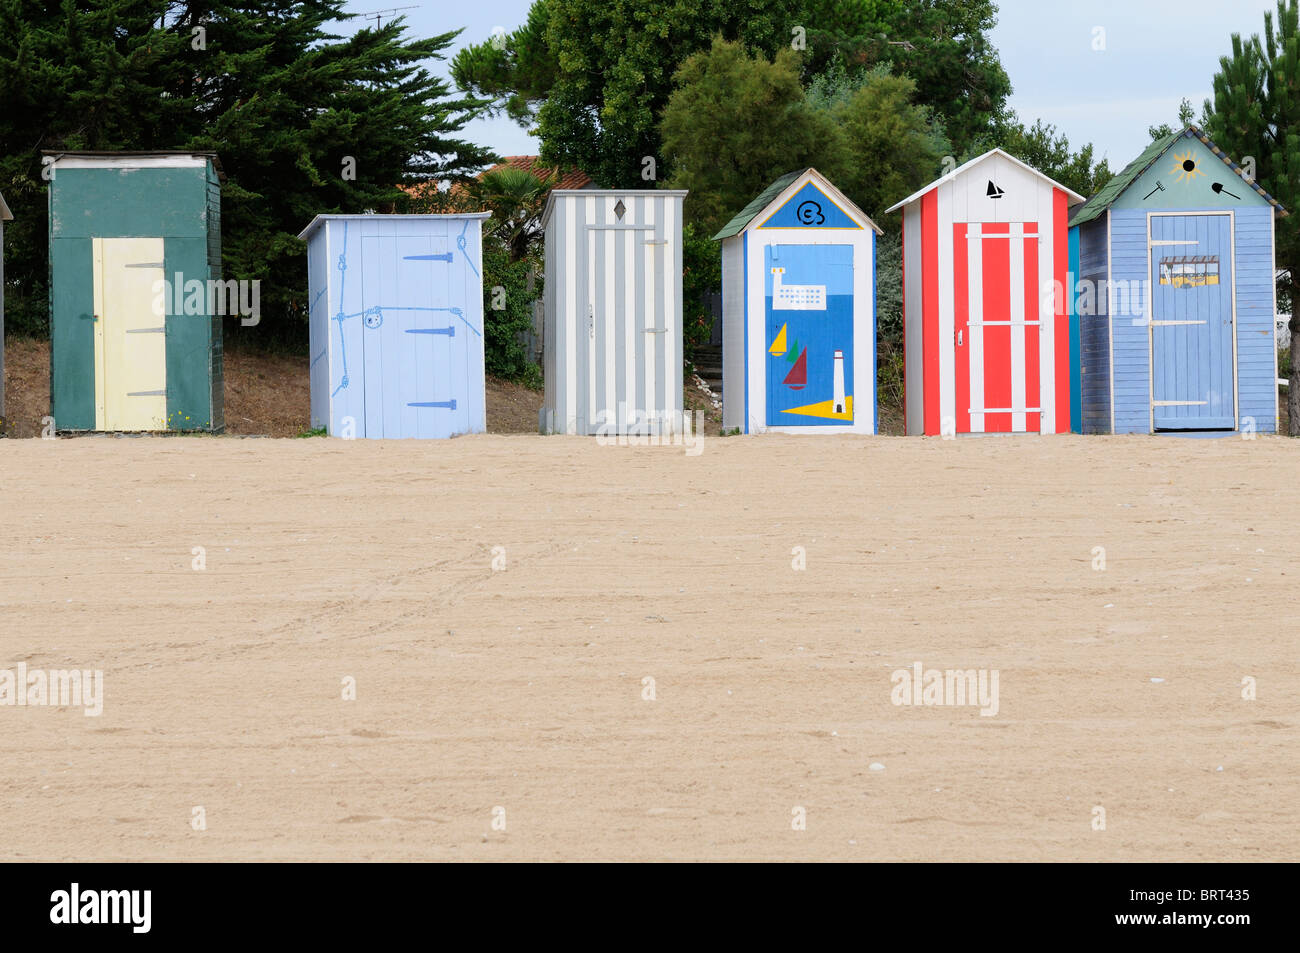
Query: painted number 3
[[810, 213]]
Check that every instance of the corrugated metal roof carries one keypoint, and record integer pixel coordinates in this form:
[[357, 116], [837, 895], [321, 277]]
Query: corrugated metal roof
[[760, 202], [1113, 189]]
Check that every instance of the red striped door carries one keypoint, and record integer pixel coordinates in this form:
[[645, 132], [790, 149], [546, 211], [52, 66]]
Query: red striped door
[[997, 327]]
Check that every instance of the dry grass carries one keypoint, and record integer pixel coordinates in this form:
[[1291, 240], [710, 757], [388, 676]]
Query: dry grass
[[266, 394]]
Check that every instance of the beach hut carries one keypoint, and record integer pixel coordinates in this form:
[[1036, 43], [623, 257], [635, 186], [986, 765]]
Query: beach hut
[[612, 333], [1198, 352], [986, 327], [135, 295], [5, 216], [798, 311], [396, 324]]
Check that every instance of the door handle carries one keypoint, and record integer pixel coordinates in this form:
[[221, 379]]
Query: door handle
[[960, 335]]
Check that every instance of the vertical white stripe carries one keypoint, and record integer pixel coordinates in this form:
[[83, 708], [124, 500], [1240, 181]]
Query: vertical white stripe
[[597, 306], [947, 357], [646, 398], [1151, 363], [627, 396], [864, 359], [609, 321], [1110, 326], [760, 241], [975, 309], [1047, 226], [1016, 285], [671, 402], [1232, 298], [574, 321], [1272, 318]]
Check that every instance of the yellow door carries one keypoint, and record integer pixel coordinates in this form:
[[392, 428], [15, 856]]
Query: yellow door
[[130, 335]]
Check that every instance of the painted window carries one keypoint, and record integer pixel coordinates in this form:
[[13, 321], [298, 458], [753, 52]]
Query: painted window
[[1190, 271]]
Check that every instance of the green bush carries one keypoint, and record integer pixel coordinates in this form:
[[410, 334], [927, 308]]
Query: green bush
[[508, 314], [701, 276]]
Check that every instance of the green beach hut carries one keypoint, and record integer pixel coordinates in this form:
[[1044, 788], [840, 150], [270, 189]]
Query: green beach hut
[[135, 295]]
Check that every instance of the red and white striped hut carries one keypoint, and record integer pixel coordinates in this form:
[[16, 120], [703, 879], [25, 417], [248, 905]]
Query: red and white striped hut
[[986, 340]]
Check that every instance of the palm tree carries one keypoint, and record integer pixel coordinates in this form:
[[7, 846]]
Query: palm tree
[[515, 198]]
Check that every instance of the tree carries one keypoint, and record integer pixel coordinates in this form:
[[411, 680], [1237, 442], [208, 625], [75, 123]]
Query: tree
[[737, 122], [305, 125], [942, 45], [894, 144], [83, 76], [304, 121], [516, 199], [513, 71], [1185, 116], [595, 75], [1256, 114], [734, 124], [597, 89]]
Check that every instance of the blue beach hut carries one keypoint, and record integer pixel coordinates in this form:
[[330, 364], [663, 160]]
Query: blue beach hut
[[396, 324], [1175, 296]]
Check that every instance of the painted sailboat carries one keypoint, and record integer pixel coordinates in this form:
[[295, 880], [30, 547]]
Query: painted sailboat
[[798, 376], [778, 347]]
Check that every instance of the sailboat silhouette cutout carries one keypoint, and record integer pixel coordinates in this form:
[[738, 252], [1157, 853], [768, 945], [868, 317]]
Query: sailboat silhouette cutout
[[798, 375]]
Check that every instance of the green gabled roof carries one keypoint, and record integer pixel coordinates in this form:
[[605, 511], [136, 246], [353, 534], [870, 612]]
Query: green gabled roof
[[1126, 177], [1112, 190], [760, 202]]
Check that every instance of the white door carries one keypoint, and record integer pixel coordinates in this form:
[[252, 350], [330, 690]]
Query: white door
[[130, 334]]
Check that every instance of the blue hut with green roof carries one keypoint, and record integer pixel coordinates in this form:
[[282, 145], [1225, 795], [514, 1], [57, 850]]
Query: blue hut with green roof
[[1174, 321]]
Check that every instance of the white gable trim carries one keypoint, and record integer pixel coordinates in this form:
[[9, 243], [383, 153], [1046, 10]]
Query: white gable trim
[[1074, 197], [819, 180]]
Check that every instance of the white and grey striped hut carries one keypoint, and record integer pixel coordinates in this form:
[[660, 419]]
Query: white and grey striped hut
[[612, 335]]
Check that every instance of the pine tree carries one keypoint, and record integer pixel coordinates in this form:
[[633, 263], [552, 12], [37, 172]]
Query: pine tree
[[304, 121], [1256, 115]]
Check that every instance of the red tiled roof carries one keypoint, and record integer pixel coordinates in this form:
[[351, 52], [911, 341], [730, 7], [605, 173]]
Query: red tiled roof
[[572, 178]]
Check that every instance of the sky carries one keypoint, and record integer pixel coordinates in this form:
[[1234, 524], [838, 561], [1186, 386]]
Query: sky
[[1154, 53]]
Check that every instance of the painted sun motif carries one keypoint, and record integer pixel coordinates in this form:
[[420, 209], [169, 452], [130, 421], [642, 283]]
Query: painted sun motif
[[1187, 167]]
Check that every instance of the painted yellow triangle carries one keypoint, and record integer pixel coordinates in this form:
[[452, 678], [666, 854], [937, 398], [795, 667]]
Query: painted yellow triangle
[[825, 409], [778, 346]]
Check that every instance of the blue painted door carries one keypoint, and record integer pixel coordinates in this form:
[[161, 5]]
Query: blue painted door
[[808, 300], [1192, 377], [417, 338]]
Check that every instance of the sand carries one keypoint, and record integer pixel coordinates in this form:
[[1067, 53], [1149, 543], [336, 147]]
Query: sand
[[515, 695]]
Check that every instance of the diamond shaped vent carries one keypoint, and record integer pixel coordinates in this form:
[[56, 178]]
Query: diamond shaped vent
[[619, 209]]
